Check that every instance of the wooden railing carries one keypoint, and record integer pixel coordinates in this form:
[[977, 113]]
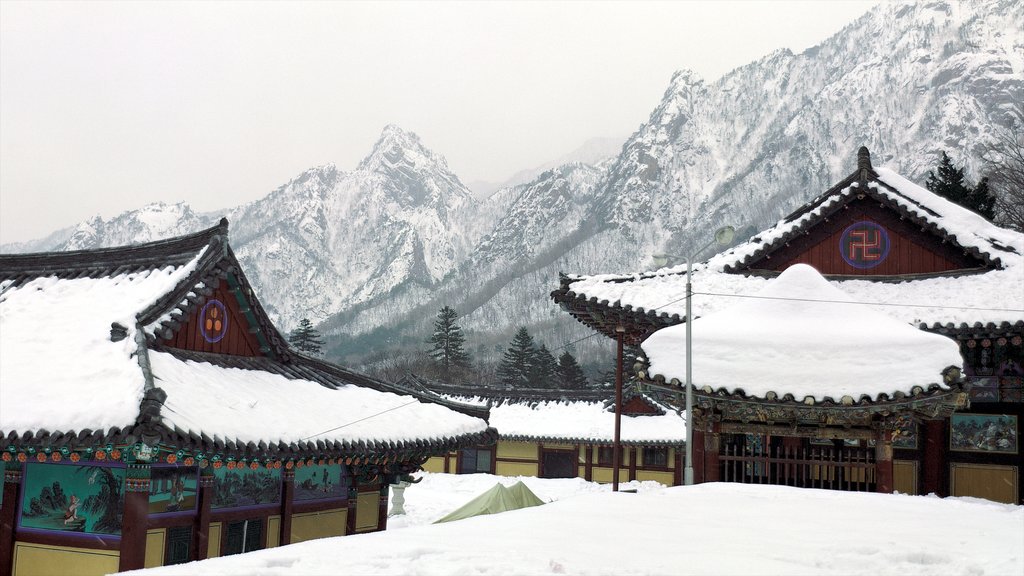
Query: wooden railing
[[850, 469]]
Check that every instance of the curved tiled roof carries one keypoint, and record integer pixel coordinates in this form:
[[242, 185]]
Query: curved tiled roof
[[85, 366], [985, 301]]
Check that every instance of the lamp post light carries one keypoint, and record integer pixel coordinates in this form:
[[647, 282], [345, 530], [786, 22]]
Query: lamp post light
[[723, 237]]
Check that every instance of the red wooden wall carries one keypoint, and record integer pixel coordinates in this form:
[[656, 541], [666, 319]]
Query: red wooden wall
[[236, 340], [911, 250]]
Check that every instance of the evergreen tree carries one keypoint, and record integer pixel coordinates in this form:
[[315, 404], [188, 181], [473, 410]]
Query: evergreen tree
[[950, 184], [543, 369], [569, 374], [448, 344], [514, 368], [981, 200], [306, 339]]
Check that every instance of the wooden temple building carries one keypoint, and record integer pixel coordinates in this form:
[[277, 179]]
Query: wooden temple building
[[550, 433], [150, 414], [887, 246]]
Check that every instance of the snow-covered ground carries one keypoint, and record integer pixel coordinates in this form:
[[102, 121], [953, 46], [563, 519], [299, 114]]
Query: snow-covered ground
[[704, 529]]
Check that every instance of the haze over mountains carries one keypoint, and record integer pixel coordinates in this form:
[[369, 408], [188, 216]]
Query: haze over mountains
[[371, 253]]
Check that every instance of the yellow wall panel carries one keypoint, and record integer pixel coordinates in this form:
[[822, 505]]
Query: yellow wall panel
[[516, 469], [43, 560], [320, 524], [367, 511], [904, 476], [519, 450], [998, 483], [665, 478], [434, 464], [155, 542], [273, 531], [213, 540], [604, 475]]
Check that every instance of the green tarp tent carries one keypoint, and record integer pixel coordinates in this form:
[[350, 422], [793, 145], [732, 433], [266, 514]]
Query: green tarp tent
[[497, 499]]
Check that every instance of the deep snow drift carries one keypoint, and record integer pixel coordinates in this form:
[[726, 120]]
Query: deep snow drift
[[705, 529]]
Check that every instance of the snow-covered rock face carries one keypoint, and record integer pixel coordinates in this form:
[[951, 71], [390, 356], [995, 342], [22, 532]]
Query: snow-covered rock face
[[394, 239], [801, 335]]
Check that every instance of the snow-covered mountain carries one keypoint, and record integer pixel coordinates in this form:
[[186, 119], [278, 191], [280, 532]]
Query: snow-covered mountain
[[372, 253]]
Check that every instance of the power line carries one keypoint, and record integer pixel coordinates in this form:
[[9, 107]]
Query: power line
[[361, 419]]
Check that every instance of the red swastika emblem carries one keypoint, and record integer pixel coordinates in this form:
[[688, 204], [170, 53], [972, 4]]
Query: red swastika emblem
[[865, 245]]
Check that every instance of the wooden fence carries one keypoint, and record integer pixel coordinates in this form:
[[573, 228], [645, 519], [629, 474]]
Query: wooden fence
[[831, 468]]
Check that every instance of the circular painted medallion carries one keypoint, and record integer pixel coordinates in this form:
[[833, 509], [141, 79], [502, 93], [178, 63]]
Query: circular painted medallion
[[864, 245], [213, 321]]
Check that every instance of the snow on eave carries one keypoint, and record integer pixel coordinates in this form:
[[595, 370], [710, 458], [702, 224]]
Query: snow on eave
[[969, 229]]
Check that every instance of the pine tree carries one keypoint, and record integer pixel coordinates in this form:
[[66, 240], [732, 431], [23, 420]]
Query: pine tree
[[543, 369], [306, 339], [569, 374], [448, 344], [950, 184], [514, 368], [981, 200]]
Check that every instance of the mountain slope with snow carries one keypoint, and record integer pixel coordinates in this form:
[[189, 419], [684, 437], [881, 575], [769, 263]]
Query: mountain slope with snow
[[372, 253]]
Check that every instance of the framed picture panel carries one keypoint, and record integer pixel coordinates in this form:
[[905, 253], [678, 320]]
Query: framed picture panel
[[992, 433], [73, 498]]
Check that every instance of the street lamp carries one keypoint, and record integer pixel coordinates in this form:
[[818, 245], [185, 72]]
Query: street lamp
[[723, 237]]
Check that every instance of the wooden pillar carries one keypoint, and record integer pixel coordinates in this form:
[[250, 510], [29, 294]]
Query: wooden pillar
[[352, 503], [933, 457], [201, 529], [135, 518], [9, 514], [698, 453], [588, 463], [632, 463], [382, 508], [677, 471], [712, 447], [883, 461], [287, 498]]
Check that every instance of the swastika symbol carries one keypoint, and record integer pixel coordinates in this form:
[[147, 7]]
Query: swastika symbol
[[864, 244]]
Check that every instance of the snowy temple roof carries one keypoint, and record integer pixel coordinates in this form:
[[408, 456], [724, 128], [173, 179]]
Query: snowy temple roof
[[567, 415], [84, 341], [802, 336], [988, 295]]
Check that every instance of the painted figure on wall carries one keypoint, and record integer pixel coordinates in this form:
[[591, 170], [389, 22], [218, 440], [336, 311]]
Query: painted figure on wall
[[320, 482], [72, 513], [73, 498], [173, 489]]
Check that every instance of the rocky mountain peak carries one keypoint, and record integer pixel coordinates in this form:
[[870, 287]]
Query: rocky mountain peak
[[412, 174]]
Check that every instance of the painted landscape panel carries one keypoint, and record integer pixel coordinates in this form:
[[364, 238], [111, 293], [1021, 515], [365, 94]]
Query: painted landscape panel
[[320, 483], [173, 489], [983, 433], [73, 498], [239, 487]]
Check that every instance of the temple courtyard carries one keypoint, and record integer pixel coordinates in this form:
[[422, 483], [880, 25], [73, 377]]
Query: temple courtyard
[[714, 528]]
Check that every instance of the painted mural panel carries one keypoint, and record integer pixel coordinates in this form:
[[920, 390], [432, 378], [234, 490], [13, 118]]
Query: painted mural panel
[[173, 489], [73, 498], [242, 486], [320, 483], [905, 433], [983, 433]]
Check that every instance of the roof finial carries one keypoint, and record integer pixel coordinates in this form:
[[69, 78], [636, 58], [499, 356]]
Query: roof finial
[[864, 164], [863, 159]]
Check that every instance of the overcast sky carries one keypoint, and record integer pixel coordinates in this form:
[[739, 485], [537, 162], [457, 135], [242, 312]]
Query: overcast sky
[[106, 107]]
